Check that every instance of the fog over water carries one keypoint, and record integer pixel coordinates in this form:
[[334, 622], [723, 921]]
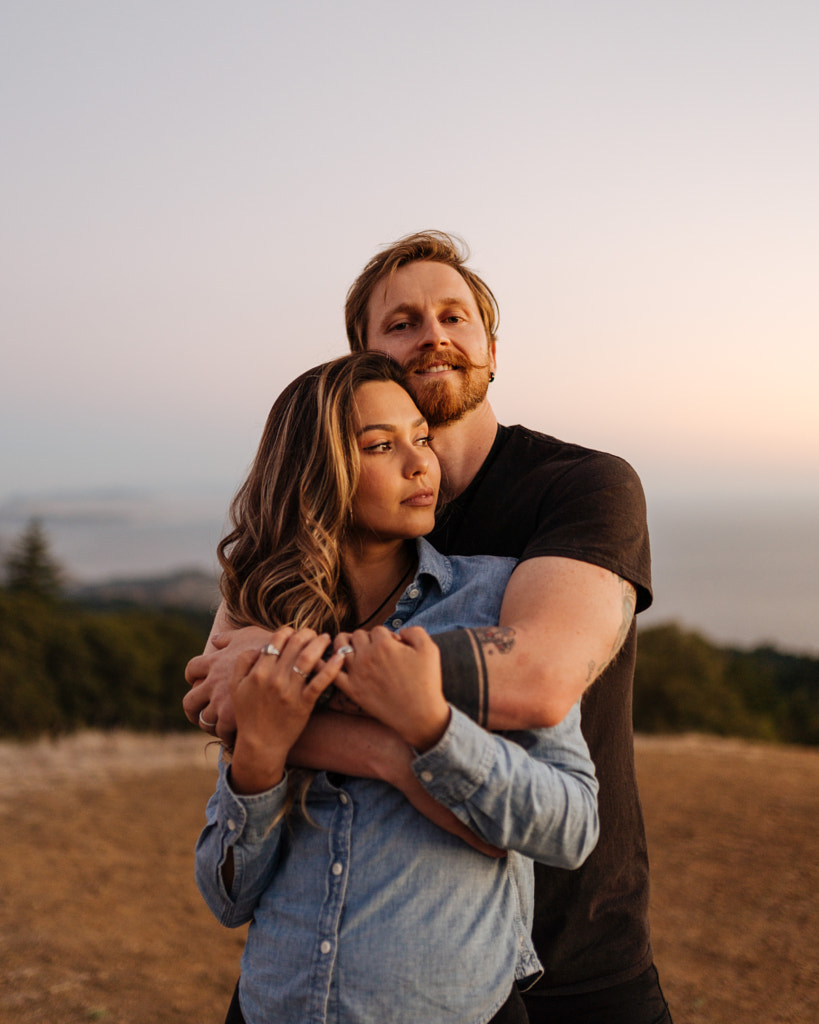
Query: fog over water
[[740, 572], [743, 574]]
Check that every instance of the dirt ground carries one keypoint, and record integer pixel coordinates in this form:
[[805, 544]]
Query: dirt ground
[[100, 919]]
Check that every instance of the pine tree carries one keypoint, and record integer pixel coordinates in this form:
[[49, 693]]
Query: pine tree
[[30, 566]]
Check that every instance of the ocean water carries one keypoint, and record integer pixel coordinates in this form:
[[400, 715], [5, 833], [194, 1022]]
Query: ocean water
[[117, 535], [744, 573]]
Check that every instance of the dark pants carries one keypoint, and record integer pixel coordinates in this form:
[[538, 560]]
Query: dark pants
[[639, 1001], [512, 1011]]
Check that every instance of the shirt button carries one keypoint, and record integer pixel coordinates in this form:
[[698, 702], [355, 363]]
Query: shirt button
[[231, 825], [414, 592], [325, 947], [396, 623], [337, 868], [427, 776], [343, 797]]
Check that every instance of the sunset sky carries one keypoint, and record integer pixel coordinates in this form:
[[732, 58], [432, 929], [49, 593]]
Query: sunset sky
[[189, 187]]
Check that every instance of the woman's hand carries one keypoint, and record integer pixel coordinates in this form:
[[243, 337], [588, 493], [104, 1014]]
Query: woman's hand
[[272, 699], [397, 679], [207, 703]]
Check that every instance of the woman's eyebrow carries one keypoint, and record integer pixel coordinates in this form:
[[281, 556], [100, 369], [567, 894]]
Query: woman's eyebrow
[[389, 427]]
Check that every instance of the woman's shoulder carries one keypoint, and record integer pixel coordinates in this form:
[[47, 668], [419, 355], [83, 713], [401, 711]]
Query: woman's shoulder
[[469, 589], [460, 570], [481, 567]]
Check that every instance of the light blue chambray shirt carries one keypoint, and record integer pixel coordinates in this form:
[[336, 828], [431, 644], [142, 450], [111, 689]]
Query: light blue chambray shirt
[[374, 914]]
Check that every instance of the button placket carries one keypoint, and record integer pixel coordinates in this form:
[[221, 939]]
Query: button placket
[[329, 921]]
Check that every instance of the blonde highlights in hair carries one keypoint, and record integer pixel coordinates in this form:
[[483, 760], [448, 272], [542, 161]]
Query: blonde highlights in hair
[[281, 561]]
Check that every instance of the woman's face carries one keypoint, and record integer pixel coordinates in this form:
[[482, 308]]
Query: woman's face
[[400, 475]]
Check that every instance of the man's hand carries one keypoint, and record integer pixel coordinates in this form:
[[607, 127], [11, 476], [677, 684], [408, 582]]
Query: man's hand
[[208, 703]]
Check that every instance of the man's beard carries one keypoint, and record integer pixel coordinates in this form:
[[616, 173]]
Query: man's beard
[[447, 400]]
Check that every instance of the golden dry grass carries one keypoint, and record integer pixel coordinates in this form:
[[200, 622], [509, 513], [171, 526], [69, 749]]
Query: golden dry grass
[[100, 919]]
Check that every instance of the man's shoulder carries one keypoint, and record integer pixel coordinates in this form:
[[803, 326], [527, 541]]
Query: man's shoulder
[[522, 450]]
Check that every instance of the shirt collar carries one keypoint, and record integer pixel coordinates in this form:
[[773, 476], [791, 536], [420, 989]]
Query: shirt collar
[[433, 564]]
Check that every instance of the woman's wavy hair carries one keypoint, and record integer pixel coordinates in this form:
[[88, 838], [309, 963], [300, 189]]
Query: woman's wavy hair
[[281, 561], [429, 246]]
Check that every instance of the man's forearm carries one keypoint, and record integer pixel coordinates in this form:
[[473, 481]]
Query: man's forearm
[[350, 745], [562, 623], [463, 672], [363, 747]]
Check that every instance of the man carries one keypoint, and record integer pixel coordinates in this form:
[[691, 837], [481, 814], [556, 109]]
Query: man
[[576, 519]]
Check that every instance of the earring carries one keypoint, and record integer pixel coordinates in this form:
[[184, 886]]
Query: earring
[[491, 376]]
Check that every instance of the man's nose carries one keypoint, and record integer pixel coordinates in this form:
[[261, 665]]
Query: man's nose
[[433, 335]]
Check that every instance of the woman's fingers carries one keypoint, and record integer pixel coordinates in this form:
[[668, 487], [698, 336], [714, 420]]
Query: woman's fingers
[[414, 636], [304, 653], [297, 661], [327, 672]]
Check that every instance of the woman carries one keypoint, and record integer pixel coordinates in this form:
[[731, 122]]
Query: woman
[[362, 909]]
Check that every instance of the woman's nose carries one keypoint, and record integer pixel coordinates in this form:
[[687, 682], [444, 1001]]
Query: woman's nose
[[417, 462]]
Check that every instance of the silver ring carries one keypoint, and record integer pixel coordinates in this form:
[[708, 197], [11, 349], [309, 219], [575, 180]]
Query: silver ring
[[270, 649], [298, 671], [204, 723], [345, 650]]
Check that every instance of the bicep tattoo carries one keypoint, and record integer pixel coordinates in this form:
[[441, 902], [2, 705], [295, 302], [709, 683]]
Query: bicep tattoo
[[495, 638], [629, 604]]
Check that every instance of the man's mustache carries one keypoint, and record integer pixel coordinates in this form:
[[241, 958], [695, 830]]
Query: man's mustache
[[456, 360]]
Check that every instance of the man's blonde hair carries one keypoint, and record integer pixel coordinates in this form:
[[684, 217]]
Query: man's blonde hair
[[430, 246]]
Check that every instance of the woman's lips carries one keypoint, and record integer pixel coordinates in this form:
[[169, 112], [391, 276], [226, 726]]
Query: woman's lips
[[421, 499]]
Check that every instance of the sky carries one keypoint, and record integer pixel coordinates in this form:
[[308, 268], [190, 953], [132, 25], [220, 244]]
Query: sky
[[188, 189]]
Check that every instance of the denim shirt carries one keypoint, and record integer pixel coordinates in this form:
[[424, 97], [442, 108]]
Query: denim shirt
[[371, 913]]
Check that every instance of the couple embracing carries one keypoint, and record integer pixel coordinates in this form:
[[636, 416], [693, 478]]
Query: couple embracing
[[406, 810]]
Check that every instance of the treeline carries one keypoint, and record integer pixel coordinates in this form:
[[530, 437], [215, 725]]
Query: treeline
[[64, 666], [684, 683], [67, 665]]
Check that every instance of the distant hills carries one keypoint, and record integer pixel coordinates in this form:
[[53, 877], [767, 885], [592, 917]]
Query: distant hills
[[187, 589]]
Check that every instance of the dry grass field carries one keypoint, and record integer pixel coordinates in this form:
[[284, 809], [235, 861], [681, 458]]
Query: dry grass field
[[100, 919]]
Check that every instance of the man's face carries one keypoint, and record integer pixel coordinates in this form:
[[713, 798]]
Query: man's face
[[427, 319]]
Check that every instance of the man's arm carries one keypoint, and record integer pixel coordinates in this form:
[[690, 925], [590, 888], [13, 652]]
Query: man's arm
[[331, 742], [562, 622]]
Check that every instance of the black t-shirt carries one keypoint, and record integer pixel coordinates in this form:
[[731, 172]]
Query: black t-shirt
[[537, 496]]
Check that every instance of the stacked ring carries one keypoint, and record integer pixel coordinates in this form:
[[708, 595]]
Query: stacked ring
[[270, 649], [204, 723], [298, 671], [345, 650]]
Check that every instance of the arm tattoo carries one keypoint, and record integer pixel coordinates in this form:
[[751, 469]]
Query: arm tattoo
[[629, 598], [498, 638]]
